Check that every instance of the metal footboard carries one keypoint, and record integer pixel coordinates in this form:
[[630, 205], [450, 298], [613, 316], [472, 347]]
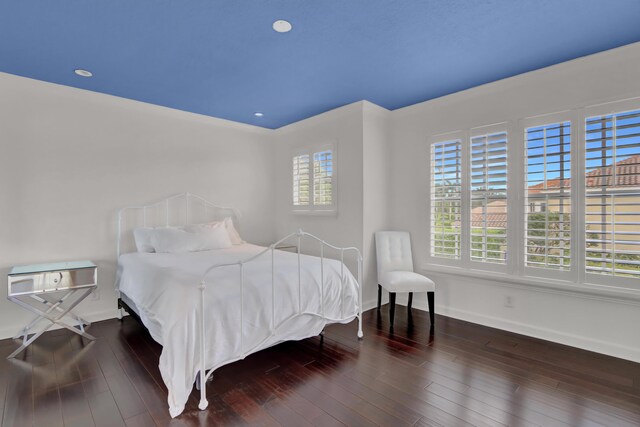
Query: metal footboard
[[205, 373]]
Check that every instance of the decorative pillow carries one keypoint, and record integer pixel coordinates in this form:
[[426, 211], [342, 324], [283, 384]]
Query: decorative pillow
[[142, 236], [190, 239], [233, 233], [228, 224]]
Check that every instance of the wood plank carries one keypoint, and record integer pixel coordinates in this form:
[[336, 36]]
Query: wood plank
[[48, 409], [127, 398], [18, 407], [142, 420], [75, 408], [105, 411]]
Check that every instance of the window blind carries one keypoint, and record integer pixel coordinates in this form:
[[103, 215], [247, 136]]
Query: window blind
[[446, 199], [548, 196], [301, 180], [612, 195], [323, 178], [489, 198]]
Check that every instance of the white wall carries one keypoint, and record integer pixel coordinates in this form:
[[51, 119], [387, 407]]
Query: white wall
[[70, 158], [343, 127], [376, 190], [587, 321], [361, 132]]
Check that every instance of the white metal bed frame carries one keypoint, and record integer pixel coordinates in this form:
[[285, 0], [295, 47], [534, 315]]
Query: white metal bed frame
[[185, 201]]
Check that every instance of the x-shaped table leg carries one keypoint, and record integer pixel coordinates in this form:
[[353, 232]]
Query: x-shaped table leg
[[54, 320]]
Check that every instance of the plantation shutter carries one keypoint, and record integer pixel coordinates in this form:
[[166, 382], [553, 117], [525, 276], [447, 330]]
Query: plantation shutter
[[323, 178], [301, 180], [446, 199], [489, 198], [612, 185], [548, 196]]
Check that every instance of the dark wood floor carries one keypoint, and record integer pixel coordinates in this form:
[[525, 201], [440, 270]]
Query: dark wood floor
[[463, 374]]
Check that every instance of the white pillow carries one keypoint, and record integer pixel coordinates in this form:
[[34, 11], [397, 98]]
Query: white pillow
[[233, 233], [234, 236], [190, 239], [142, 236]]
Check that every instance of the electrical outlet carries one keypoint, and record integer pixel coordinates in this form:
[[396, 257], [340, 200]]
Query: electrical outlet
[[95, 295], [508, 301]]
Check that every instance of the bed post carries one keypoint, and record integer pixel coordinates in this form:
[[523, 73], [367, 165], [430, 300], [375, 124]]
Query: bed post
[[360, 334], [203, 369]]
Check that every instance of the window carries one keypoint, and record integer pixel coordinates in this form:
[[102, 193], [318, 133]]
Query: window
[[323, 178], [560, 204], [301, 173], [547, 238], [314, 181], [489, 198], [612, 194], [446, 199]]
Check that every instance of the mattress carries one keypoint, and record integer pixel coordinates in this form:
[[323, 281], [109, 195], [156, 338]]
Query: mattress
[[164, 289]]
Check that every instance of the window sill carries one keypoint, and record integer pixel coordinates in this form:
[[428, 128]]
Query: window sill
[[588, 290]]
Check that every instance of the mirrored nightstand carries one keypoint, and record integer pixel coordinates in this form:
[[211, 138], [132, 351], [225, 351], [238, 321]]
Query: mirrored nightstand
[[51, 291]]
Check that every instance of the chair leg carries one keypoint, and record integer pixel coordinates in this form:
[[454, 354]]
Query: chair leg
[[392, 306], [379, 296], [410, 301], [432, 312]]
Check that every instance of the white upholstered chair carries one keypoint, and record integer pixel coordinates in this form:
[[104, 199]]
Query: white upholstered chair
[[395, 271]]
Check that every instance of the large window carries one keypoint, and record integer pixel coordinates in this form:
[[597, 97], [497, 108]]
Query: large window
[[612, 194], [314, 181], [555, 196], [548, 196], [489, 198], [446, 199]]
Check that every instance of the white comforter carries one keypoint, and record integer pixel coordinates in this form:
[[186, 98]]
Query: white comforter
[[164, 288]]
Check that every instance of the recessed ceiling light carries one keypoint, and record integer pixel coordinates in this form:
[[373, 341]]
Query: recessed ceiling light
[[83, 73], [258, 114], [282, 26]]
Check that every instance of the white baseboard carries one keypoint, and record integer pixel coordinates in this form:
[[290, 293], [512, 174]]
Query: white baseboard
[[9, 332], [585, 343], [368, 305]]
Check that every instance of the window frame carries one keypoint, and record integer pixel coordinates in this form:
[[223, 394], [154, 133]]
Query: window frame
[[509, 263], [312, 208], [523, 125], [450, 136]]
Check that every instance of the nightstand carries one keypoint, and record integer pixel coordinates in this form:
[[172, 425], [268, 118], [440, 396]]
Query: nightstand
[[51, 291]]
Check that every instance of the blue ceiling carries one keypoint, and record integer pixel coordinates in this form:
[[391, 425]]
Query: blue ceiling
[[222, 58]]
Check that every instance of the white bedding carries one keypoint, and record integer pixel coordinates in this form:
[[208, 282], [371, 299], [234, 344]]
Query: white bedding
[[164, 288]]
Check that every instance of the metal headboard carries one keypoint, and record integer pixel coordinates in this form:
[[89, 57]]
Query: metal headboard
[[177, 210]]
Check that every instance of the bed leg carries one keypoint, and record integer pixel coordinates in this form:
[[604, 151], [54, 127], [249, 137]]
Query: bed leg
[[120, 313], [203, 372]]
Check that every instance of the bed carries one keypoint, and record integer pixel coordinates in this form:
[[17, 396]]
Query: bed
[[210, 308]]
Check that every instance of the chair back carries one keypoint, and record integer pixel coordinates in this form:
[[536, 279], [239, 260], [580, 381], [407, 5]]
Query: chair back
[[393, 251]]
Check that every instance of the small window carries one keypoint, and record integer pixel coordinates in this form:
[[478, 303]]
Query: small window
[[489, 198], [301, 173], [314, 181], [446, 199], [548, 191]]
